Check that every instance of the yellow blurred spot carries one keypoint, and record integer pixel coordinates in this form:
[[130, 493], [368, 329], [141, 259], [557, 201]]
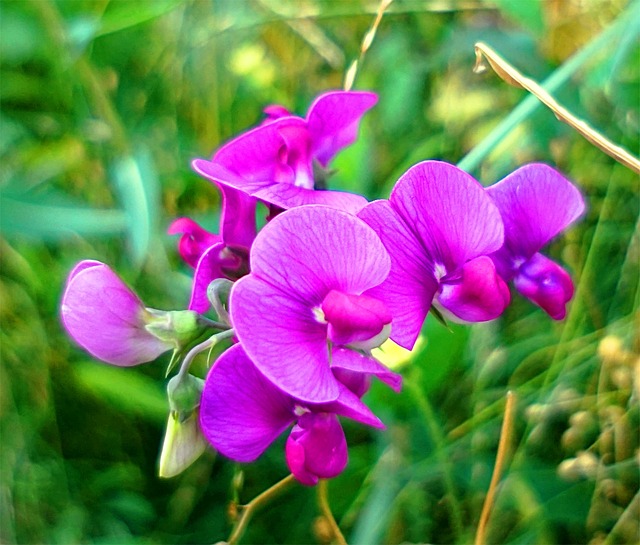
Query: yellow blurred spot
[[251, 61], [394, 356]]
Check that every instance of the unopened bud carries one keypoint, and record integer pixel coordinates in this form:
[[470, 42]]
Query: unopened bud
[[184, 392], [179, 327], [183, 444]]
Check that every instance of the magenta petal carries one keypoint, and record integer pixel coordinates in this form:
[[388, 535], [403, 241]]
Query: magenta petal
[[333, 121], [343, 358], [275, 111], [450, 213], [238, 218], [81, 266], [478, 295], [350, 405], [289, 196], [317, 448], [308, 251], [241, 412], [256, 156], [284, 340], [354, 318], [106, 318], [210, 266], [296, 154], [194, 240], [295, 455], [410, 287], [536, 203], [545, 283], [224, 177]]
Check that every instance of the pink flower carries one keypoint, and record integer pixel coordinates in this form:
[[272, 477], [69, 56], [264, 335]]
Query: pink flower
[[242, 413], [106, 318], [285, 160], [536, 203], [439, 227]]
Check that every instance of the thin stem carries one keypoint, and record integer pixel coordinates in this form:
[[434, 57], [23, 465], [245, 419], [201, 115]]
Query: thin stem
[[323, 503], [216, 290], [352, 71], [209, 343], [212, 323], [501, 458], [248, 510], [627, 517], [435, 430]]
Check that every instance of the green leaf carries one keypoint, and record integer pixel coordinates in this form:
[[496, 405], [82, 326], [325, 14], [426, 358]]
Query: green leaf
[[36, 216], [137, 184], [128, 391], [121, 15], [527, 13]]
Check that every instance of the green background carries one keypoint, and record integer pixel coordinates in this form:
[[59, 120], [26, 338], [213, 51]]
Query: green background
[[104, 105]]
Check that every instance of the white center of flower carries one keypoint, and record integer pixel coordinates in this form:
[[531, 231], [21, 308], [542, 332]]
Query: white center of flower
[[319, 315], [299, 410], [439, 271]]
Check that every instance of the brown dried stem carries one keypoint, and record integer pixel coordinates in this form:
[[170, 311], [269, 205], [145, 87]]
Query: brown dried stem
[[510, 75], [501, 459]]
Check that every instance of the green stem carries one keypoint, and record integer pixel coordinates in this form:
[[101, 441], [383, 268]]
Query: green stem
[[209, 343], [255, 504], [529, 105], [323, 503], [444, 462]]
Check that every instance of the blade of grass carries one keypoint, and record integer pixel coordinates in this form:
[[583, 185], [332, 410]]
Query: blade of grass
[[52, 222], [439, 439]]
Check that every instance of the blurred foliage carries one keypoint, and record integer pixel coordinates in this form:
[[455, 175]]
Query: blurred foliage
[[105, 102]]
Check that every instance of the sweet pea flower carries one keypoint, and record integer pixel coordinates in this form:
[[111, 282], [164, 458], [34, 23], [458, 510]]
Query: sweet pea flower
[[106, 318], [439, 226], [242, 413], [536, 203], [306, 299], [283, 161], [218, 256]]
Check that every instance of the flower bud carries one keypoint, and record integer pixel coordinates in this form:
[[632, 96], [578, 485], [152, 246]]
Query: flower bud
[[176, 327], [184, 394], [316, 448], [546, 284], [183, 444], [106, 318]]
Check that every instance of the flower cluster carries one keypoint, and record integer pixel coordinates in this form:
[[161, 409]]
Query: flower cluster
[[329, 278]]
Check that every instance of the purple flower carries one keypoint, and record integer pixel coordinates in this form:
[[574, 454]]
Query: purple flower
[[242, 413], [194, 240], [536, 203], [282, 161], [306, 296], [438, 226], [218, 256], [106, 318]]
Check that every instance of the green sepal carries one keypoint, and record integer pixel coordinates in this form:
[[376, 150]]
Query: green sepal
[[438, 316], [178, 327], [184, 392]]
